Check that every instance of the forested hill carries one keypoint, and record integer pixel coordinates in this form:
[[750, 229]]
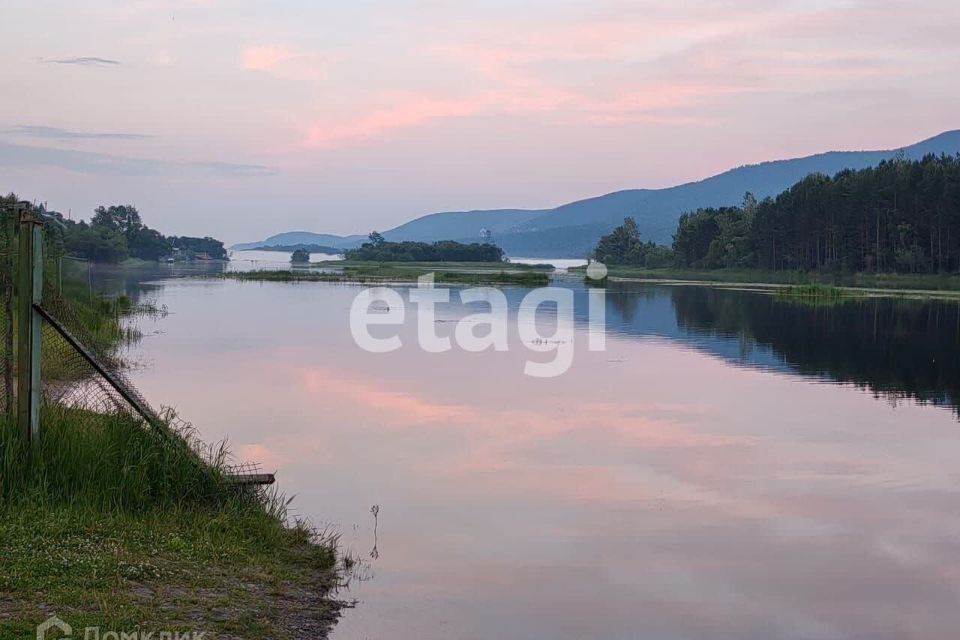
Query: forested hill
[[901, 216], [302, 238]]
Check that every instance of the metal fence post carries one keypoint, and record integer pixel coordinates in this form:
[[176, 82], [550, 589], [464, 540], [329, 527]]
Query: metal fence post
[[30, 277], [8, 225]]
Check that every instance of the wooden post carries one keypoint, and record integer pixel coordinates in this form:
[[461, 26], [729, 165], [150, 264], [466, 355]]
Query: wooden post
[[30, 290]]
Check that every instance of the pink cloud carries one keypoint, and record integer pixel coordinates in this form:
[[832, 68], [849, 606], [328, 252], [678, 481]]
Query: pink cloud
[[663, 97], [266, 57], [652, 104], [605, 38], [664, 67], [405, 113], [281, 61], [507, 84]]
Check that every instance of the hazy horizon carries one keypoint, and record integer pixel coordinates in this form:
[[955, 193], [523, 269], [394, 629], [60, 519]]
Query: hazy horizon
[[242, 119]]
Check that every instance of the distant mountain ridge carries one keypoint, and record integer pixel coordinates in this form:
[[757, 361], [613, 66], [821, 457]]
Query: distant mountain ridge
[[452, 225], [572, 230], [309, 248], [298, 238]]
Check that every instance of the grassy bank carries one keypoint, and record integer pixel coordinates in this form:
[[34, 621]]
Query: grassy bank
[[817, 295], [373, 273], [442, 266], [944, 283], [108, 524]]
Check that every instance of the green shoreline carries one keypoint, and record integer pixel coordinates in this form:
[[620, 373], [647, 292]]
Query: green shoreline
[[919, 286], [901, 285], [403, 272], [107, 523]]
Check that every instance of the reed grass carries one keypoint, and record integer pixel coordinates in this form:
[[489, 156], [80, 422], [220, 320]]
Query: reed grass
[[102, 510], [816, 294], [104, 462], [524, 279]]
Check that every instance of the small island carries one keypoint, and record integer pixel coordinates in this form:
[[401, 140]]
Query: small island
[[378, 249], [300, 256], [379, 261]]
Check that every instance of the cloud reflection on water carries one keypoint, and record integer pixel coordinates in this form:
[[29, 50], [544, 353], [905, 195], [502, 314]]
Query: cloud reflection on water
[[654, 491]]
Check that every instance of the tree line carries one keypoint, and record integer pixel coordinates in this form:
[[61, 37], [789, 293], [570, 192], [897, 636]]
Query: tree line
[[901, 216], [380, 250], [117, 232]]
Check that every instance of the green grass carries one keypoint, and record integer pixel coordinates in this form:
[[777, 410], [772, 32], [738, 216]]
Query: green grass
[[526, 279], [105, 462], [946, 284], [107, 523], [170, 569], [816, 294], [375, 273]]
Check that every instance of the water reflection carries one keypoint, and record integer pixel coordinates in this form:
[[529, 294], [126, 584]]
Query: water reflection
[[375, 510], [136, 278], [691, 482], [896, 348]]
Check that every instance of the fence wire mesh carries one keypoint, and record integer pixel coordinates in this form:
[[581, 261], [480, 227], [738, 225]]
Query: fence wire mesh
[[69, 378], [82, 341], [83, 369]]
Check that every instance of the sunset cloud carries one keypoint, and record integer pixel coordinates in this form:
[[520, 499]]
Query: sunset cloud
[[666, 68], [284, 62], [334, 95], [408, 112], [654, 104], [266, 57]]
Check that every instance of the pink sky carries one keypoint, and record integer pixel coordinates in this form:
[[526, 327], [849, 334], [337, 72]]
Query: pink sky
[[242, 119]]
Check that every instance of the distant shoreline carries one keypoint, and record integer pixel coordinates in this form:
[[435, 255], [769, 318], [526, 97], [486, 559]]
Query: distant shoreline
[[918, 285], [354, 271]]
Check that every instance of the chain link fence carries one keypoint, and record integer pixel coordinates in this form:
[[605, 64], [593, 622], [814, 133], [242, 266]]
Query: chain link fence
[[82, 337]]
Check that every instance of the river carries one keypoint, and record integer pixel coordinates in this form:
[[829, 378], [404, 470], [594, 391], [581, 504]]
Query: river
[[732, 465]]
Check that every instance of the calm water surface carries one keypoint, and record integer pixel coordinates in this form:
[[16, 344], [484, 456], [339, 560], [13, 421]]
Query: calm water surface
[[732, 466], [245, 260]]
